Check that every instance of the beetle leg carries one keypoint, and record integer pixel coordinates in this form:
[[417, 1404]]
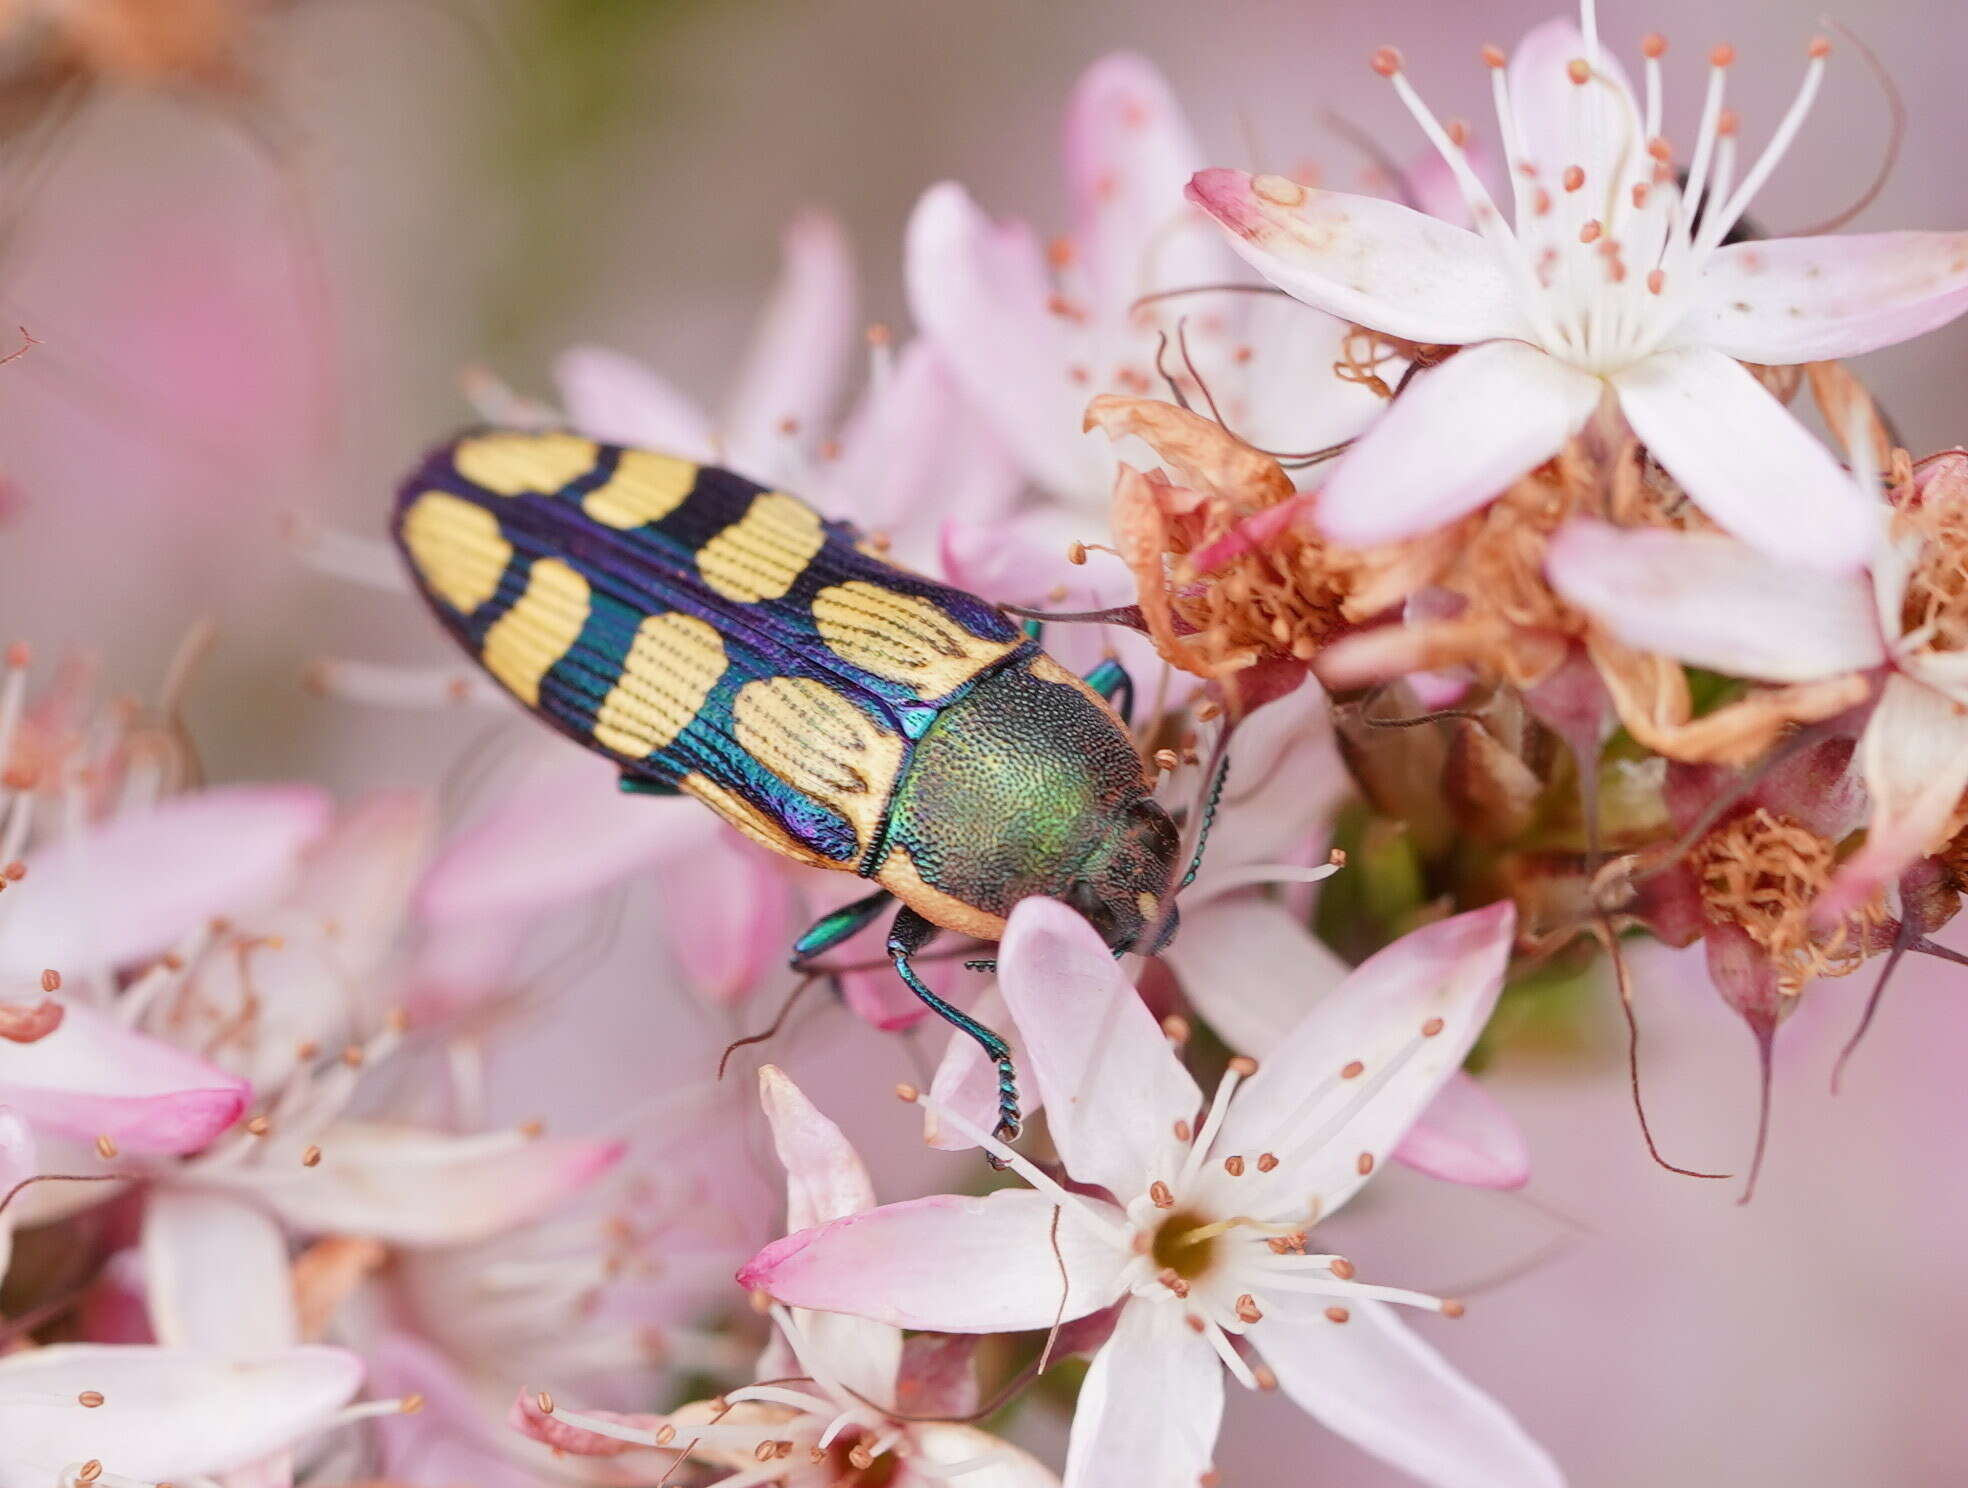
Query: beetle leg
[[1111, 680], [908, 935], [831, 929], [1034, 628], [645, 785]]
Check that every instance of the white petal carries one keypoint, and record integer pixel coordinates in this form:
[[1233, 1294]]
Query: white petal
[[1457, 437], [1369, 261], [1151, 1405], [1787, 300], [411, 1186], [947, 1443], [18, 1162], [1376, 1384], [616, 399], [792, 372], [1914, 755], [1717, 603], [216, 1273], [1252, 969], [1112, 1086], [1552, 110], [167, 1414], [1744, 460], [948, 1264], [1319, 1121]]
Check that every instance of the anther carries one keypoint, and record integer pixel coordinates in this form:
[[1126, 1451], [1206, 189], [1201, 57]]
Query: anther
[[1387, 62], [1266, 1161], [352, 1056], [1661, 150], [410, 1405], [1452, 1308], [545, 1403], [1574, 177], [1579, 71], [907, 1094], [1243, 1066], [89, 1399], [51, 980], [258, 1126], [1353, 1071], [665, 1434], [1169, 1277], [1059, 252], [1337, 857], [1493, 56], [20, 656], [1727, 123], [532, 1130], [1247, 1309], [860, 1458], [1158, 1191], [1365, 1164], [1266, 1380], [312, 1157], [306, 1049], [789, 426], [1722, 56], [1337, 1314], [1591, 231], [815, 1455], [89, 1471], [1234, 1166], [1458, 132], [15, 871], [1182, 1130], [1656, 281], [1210, 1479], [1343, 1268], [1076, 553], [1432, 1027], [1820, 48], [1196, 1324], [1653, 46], [105, 1147], [764, 1452], [877, 334], [1175, 1028], [1640, 193]]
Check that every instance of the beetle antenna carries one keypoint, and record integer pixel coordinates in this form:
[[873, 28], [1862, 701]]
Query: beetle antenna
[[778, 1022], [1161, 366], [1209, 818], [1189, 361]]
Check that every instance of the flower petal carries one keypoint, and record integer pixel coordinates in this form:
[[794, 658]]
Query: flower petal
[[967, 1083], [131, 885], [1151, 1405], [948, 1443], [360, 875], [1786, 300], [792, 373], [1465, 1136], [729, 913], [980, 291], [1444, 977], [215, 1273], [1461, 433], [1129, 152], [18, 1163], [825, 1177], [1716, 603], [1376, 1384], [1373, 262], [561, 833], [92, 1077], [167, 1414], [1103, 1065], [1252, 969], [411, 1186], [616, 399], [1550, 107], [1915, 757], [451, 1439], [948, 1264], [1744, 460]]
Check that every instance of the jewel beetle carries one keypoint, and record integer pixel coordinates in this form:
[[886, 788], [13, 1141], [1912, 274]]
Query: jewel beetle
[[720, 639]]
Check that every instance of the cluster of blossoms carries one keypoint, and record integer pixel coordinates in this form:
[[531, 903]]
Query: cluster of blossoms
[[1483, 546]]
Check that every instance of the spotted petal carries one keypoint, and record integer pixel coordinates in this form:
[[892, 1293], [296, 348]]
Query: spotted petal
[[1373, 262], [1787, 300]]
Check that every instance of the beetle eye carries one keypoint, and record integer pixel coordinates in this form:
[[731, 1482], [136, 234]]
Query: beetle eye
[[1083, 896]]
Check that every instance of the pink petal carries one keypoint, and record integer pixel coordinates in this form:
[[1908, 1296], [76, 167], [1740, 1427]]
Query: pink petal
[[1714, 602], [792, 373], [1151, 1405], [729, 911], [460, 964], [979, 290], [1449, 971], [1465, 1136], [410, 1186], [967, 1083], [914, 448], [216, 1273], [1375, 1383], [1786, 300], [577, 1441], [1252, 969], [1549, 106], [30, 1022], [1915, 757], [825, 1177], [359, 877], [167, 1414], [1457, 437], [92, 1077], [1103, 1066], [938, 1376], [451, 1440], [616, 399], [558, 835], [919, 1264], [1373, 262], [1288, 395], [948, 1443], [1745, 461], [1129, 153], [131, 885]]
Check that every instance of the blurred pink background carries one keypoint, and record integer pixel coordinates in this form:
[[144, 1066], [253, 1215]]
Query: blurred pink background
[[235, 331]]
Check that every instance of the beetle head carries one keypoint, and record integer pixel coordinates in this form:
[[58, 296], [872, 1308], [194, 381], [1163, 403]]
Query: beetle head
[[1125, 883]]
